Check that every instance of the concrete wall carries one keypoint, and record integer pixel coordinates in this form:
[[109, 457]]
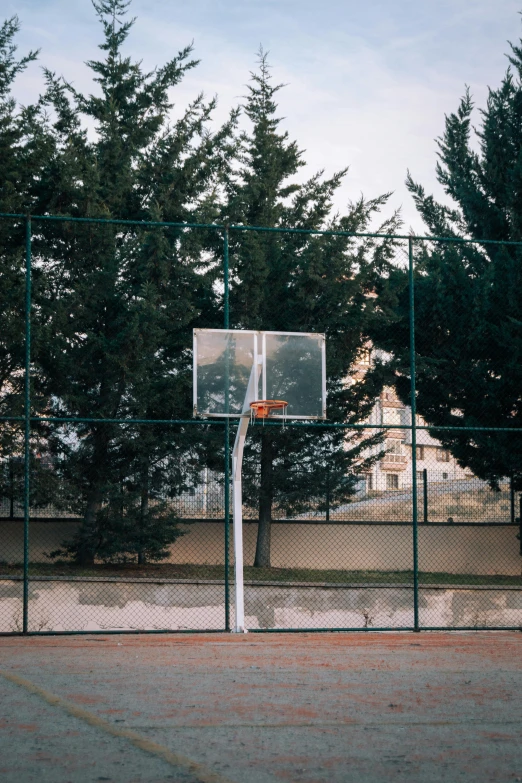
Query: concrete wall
[[77, 605], [451, 549]]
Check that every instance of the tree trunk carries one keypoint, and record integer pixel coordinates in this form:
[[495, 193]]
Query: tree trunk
[[87, 548], [262, 559]]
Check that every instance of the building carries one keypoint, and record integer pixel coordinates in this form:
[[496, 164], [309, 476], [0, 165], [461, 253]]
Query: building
[[393, 471]]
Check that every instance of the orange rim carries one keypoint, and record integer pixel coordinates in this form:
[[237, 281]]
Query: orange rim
[[263, 408]]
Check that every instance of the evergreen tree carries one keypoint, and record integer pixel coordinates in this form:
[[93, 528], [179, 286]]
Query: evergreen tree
[[467, 296], [299, 282], [13, 178], [24, 147], [119, 301]]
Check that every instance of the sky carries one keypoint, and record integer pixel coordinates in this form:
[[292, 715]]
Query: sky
[[367, 83]]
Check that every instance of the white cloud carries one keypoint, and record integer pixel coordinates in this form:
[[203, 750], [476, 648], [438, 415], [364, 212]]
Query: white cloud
[[368, 85]]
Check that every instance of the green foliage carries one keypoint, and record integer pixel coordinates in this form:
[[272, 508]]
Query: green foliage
[[467, 296], [125, 532], [114, 304], [23, 148], [44, 483], [299, 282]]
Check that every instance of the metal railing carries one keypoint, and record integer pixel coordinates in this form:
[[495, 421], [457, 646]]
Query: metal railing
[[352, 557]]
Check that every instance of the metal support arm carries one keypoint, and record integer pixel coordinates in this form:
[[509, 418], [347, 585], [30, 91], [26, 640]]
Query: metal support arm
[[237, 498], [237, 506]]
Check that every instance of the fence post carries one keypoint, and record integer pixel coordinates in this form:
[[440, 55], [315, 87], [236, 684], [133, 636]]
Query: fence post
[[227, 437], [413, 406], [512, 500], [520, 526], [425, 486], [327, 493], [11, 487], [27, 421]]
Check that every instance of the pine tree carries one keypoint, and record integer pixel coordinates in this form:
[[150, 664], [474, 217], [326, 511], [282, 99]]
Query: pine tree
[[117, 302], [468, 325], [13, 173], [24, 147], [299, 282]]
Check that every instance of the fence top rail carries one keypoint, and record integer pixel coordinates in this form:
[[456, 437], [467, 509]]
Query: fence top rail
[[264, 423], [239, 227]]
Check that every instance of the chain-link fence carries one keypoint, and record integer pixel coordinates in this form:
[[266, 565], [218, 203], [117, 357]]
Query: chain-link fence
[[402, 510]]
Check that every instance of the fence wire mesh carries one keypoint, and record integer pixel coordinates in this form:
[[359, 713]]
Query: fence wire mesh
[[115, 504]]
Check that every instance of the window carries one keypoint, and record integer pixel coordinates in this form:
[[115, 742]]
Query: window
[[420, 452], [420, 476], [392, 481], [369, 482], [394, 450], [444, 475], [394, 446], [443, 455], [365, 357], [391, 416]]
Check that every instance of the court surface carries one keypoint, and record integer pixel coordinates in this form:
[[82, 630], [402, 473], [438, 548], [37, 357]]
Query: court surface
[[262, 707]]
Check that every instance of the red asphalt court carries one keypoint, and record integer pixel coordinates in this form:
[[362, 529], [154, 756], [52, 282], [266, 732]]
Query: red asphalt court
[[262, 707]]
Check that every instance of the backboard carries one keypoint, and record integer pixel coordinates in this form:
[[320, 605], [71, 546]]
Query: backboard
[[278, 365]]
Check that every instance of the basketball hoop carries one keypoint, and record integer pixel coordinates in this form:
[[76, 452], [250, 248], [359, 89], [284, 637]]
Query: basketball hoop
[[258, 364], [261, 409]]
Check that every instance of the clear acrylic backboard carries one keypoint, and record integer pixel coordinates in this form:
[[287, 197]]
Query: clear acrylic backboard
[[287, 366]]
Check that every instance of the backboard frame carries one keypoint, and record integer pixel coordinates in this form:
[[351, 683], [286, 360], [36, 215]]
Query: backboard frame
[[259, 350]]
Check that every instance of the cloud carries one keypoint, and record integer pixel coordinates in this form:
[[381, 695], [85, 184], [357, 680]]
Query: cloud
[[368, 84]]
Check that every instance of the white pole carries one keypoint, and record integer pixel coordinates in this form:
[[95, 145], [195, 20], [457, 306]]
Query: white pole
[[237, 506], [237, 494]]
